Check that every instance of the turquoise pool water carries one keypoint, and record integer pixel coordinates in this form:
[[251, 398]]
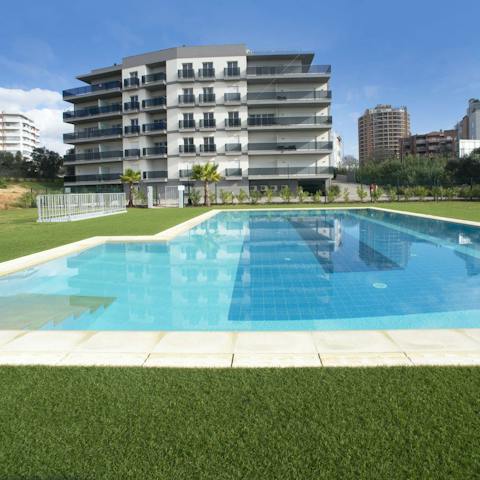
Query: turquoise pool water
[[262, 270]]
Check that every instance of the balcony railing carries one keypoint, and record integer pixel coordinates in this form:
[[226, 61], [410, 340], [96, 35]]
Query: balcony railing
[[131, 82], [233, 147], [282, 121], [92, 156], [290, 171], [151, 151], [89, 89], [155, 174], [209, 123], [185, 173], [132, 152], [186, 74], [99, 177], [289, 70], [186, 99], [233, 172], [132, 129], [92, 111], [206, 73], [154, 102], [155, 126], [285, 96], [153, 77], [232, 97], [206, 98], [103, 132], [290, 146], [233, 123], [231, 72], [131, 106], [208, 148], [187, 149], [186, 124]]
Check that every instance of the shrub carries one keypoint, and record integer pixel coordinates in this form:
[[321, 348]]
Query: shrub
[[194, 196], [242, 196], [3, 183], [255, 196], [212, 196], [450, 193], [269, 194], [420, 192], [333, 193], [437, 192], [286, 193], [346, 195], [391, 194], [302, 195], [317, 196], [377, 193], [476, 191], [361, 192], [226, 196], [408, 193]]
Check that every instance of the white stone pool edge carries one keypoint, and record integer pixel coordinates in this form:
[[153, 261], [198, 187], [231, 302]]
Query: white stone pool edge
[[361, 348]]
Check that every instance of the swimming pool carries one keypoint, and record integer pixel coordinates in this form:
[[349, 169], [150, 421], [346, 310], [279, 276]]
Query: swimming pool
[[262, 270]]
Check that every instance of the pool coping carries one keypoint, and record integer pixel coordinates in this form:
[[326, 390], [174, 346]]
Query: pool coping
[[322, 348]]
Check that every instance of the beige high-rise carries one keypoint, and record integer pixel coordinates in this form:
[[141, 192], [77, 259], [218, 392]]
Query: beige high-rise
[[379, 132]]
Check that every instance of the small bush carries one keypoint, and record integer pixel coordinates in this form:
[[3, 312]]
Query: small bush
[[333, 193], [361, 192], [212, 196], [269, 194], [255, 196], [242, 196], [226, 196], [286, 194], [346, 195], [420, 192], [302, 195], [194, 196], [317, 196], [3, 183]]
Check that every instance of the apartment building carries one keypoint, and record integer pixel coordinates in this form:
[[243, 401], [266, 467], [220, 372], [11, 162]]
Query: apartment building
[[443, 143], [18, 134], [379, 132], [264, 118]]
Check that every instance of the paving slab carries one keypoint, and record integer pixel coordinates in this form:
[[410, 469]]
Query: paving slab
[[177, 360], [275, 342], [433, 340], [122, 342], [8, 335], [86, 359], [269, 360], [365, 360], [445, 358], [196, 342], [340, 341], [46, 341], [31, 358]]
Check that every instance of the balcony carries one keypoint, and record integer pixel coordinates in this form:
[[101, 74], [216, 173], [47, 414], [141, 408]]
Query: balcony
[[186, 74], [88, 135], [231, 73], [233, 148], [233, 124], [155, 151], [290, 148], [232, 98], [93, 91], [132, 82], [208, 149], [132, 153], [186, 100], [86, 114], [206, 74], [132, 129], [206, 99], [286, 123], [284, 73], [187, 150], [154, 80], [131, 106], [98, 177], [186, 125], [233, 172], [290, 172], [208, 124], [155, 175], [155, 127], [112, 156], [154, 104], [308, 97]]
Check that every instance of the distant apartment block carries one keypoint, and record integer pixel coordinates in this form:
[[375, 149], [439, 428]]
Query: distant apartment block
[[264, 118], [468, 127], [379, 132], [18, 134], [442, 143]]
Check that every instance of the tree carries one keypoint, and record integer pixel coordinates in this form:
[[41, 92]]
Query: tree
[[207, 174], [130, 177], [44, 163]]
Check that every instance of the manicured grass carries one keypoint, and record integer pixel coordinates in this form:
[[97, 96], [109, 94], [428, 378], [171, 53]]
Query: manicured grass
[[21, 235], [234, 424]]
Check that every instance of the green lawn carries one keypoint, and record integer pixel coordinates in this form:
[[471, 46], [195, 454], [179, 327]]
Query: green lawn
[[21, 235], [397, 423]]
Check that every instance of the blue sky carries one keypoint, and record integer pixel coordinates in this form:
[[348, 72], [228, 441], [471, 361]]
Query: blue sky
[[422, 54]]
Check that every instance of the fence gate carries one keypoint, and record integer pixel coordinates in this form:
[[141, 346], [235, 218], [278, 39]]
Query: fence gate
[[168, 196]]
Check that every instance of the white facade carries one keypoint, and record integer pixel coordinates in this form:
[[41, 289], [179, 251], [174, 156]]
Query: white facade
[[337, 150], [18, 134], [466, 147], [473, 113], [263, 118]]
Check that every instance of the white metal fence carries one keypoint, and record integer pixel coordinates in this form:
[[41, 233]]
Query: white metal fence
[[168, 196], [78, 206]]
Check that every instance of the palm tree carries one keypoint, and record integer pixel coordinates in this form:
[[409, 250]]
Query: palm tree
[[207, 173], [131, 178]]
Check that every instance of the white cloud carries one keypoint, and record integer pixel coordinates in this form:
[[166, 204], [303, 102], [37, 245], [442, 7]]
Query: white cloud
[[44, 107]]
